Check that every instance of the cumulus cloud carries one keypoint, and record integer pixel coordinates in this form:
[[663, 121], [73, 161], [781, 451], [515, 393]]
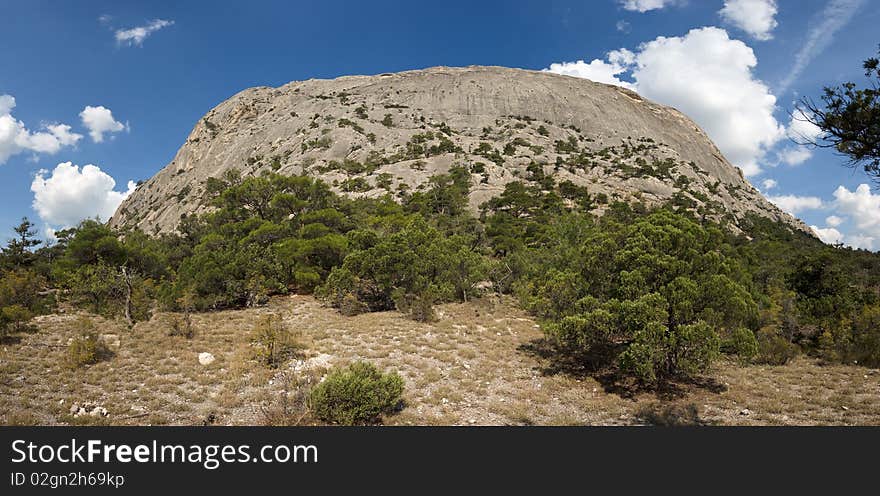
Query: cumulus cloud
[[856, 222], [755, 17], [135, 36], [862, 207], [69, 194], [768, 184], [795, 155], [801, 128], [708, 76], [600, 71], [835, 15], [646, 5], [795, 204], [802, 133], [828, 235], [99, 120], [833, 220], [15, 138]]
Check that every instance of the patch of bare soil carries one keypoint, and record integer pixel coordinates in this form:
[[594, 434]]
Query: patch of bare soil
[[480, 363]]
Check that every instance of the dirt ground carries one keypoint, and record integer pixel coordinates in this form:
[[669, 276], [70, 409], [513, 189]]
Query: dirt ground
[[480, 363]]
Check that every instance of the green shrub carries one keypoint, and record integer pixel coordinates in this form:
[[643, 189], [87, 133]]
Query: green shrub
[[86, 348], [14, 318], [274, 342], [181, 325], [774, 349], [743, 344], [420, 307], [866, 336], [356, 395]]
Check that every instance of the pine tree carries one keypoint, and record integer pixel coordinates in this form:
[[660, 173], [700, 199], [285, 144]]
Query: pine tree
[[18, 251]]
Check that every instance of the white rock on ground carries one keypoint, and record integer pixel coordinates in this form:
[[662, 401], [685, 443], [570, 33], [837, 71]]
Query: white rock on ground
[[206, 358]]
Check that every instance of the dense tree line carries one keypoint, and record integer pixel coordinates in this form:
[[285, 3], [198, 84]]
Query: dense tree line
[[653, 294]]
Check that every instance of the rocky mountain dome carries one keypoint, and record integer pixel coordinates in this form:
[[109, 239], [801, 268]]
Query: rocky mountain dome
[[371, 135]]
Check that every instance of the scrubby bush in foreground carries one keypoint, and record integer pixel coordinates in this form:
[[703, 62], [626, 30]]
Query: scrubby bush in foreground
[[273, 341], [86, 347], [358, 394]]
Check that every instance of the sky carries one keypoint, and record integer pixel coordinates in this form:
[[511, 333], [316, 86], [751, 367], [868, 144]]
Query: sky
[[97, 95]]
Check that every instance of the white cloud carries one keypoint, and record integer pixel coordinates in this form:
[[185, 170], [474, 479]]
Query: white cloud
[[136, 36], [598, 70], [795, 155], [15, 138], [755, 17], [833, 221], [623, 26], [646, 5], [70, 195], [803, 133], [828, 235], [708, 76], [795, 204], [835, 15], [861, 241], [769, 184], [99, 120], [801, 128], [863, 208]]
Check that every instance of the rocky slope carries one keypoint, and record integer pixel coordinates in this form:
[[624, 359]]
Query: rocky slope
[[368, 135]]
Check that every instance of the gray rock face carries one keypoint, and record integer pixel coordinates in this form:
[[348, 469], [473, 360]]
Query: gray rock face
[[368, 135]]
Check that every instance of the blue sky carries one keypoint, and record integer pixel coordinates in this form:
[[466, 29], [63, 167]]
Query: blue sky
[[147, 88]]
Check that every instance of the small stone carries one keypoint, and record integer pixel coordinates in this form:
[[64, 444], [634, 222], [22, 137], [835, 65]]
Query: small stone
[[206, 358], [98, 411], [845, 408], [74, 408], [745, 412], [472, 421]]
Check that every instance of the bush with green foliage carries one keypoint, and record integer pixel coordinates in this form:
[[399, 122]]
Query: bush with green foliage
[[410, 269], [273, 341], [86, 347], [356, 395], [652, 293]]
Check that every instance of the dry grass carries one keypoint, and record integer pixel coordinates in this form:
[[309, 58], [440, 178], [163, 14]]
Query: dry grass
[[477, 364]]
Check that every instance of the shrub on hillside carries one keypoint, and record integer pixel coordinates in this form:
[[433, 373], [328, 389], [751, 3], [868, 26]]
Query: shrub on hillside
[[774, 349], [86, 348], [273, 341], [14, 318], [743, 344], [358, 394], [866, 336]]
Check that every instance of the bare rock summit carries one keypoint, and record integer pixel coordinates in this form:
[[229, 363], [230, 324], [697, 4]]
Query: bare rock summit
[[389, 133]]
